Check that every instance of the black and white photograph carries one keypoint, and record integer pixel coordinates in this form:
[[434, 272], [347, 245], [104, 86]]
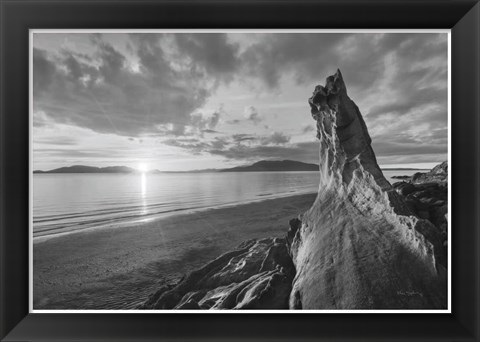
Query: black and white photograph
[[240, 170]]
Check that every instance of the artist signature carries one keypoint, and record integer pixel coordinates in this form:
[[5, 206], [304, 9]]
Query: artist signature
[[409, 293]]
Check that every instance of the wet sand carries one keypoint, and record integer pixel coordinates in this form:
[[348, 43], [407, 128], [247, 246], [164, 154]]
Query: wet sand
[[117, 268]]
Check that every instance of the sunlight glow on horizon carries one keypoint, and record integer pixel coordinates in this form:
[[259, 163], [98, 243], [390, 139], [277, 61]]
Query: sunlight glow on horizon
[[142, 167]]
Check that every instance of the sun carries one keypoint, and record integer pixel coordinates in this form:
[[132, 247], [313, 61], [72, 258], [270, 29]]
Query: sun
[[142, 167]]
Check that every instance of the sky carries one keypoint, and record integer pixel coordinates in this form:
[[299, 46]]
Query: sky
[[186, 101]]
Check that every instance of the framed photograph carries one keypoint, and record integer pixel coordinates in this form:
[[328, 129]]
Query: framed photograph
[[181, 170]]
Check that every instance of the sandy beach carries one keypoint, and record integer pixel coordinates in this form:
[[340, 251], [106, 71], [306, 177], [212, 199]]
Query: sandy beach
[[117, 268]]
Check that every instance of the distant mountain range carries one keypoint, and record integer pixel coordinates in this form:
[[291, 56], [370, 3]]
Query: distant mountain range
[[263, 165], [90, 169], [274, 165]]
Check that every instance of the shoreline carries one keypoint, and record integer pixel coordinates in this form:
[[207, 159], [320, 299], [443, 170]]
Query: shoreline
[[118, 268], [149, 219]]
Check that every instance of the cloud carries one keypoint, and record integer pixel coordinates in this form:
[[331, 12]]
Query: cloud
[[75, 153], [212, 51], [386, 73], [204, 124], [306, 152], [243, 137], [277, 138], [160, 84], [173, 129], [393, 148], [209, 131], [40, 119], [412, 159], [363, 57], [249, 147], [176, 74], [44, 72], [251, 113], [234, 122], [219, 143], [308, 128], [213, 120], [194, 146], [57, 140], [304, 55]]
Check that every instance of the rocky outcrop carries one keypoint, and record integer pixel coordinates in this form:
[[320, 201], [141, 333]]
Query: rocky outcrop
[[426, 194], [364, 244], [258, 274], [360, 246], [439, 175]]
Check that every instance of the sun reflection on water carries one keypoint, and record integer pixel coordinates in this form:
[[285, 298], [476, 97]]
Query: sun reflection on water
[[143, 193]]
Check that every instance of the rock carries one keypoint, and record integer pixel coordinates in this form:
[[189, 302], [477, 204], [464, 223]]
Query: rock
[[360, 246], [294, 225], [423, 214], [425, 193], [416, 176], [427, 197], [439, 174], [401, 177], [188, 305], [153, 298], [256, 275], [404, 188]]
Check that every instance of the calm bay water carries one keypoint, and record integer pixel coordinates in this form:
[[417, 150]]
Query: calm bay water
[[63, 203], [68, 202]]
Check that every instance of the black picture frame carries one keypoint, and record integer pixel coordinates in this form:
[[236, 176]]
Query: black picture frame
[[18, 16]]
